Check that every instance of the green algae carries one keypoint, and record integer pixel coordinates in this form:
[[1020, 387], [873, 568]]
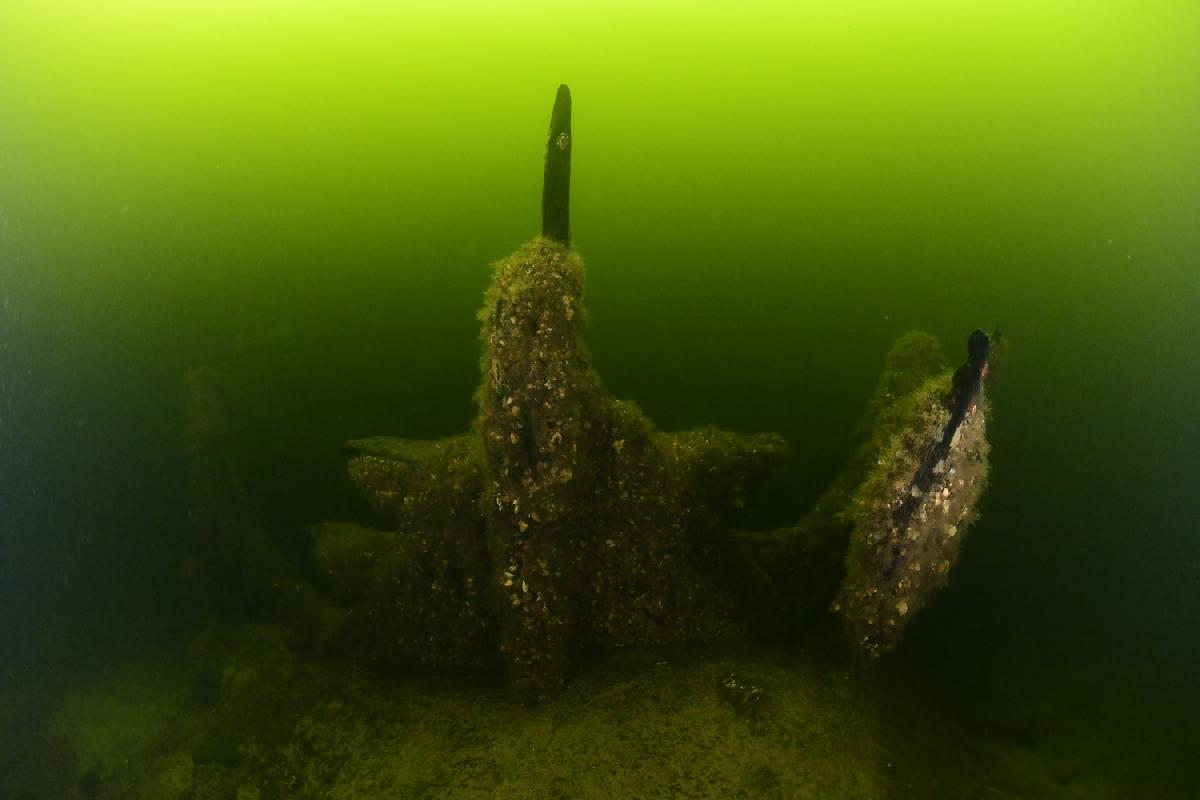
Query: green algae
[[561, 522], [413, 597], [645, 725], [403, 479], [896, 562], [237, 713]]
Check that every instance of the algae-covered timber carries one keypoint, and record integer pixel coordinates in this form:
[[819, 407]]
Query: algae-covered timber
[[563, 522], [912, 509]]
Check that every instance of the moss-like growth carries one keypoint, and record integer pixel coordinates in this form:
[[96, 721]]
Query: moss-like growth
[[272, 725], [562, 521], [414, 483], [906, 535], [539, 423], [796, 570], [415, 596], [599, 528]]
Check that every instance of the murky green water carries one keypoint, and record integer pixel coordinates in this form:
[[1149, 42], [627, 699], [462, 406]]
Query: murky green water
[[306, 197]]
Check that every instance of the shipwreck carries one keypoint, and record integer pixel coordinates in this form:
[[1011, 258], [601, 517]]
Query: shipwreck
[[562, 522]]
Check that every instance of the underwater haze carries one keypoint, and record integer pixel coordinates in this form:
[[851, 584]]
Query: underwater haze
[[306, 197]]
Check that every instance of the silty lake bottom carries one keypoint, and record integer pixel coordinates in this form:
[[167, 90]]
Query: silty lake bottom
[[232, 241]]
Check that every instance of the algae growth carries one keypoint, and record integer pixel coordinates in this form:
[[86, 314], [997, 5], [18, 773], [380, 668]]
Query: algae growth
[[241, 716], [560, 527], [238, 714], [563, 523], [307, 210]]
